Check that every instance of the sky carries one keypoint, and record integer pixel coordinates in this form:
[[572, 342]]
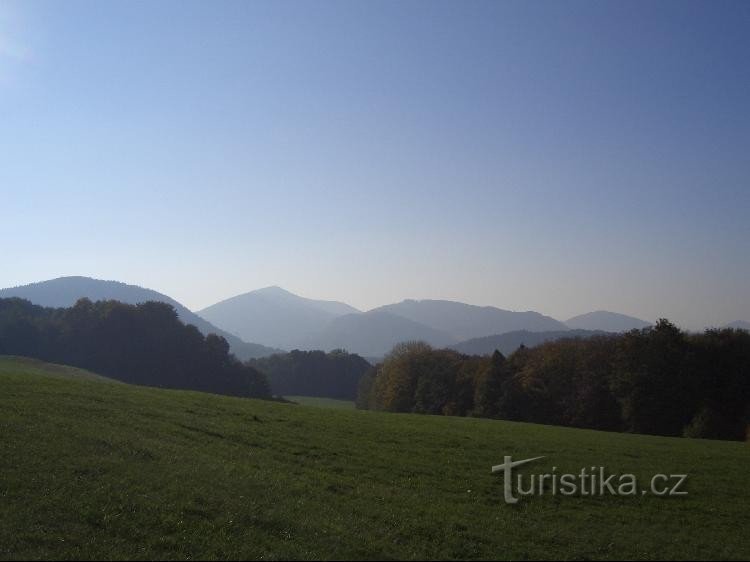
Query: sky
[[553, 156]]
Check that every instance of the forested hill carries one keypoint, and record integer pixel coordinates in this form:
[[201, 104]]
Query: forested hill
[[143, 344], [314, 373], [659, 380], [65, 292]]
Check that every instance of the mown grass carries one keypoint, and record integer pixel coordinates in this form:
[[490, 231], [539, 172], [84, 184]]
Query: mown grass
[[91, 470], [319, 402]]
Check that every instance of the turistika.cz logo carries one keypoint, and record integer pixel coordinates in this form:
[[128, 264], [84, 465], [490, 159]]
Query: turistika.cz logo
[[590, 481]]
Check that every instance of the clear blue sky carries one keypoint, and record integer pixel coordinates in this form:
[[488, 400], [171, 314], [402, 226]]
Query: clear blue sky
[[556, 156]]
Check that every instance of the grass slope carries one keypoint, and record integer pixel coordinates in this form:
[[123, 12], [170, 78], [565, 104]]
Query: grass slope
[[91, 470], [320, 402], [12, 365]]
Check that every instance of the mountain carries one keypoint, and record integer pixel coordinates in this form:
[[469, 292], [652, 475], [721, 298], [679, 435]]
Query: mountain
[[275, 317], [510, 341], [374, 333], [278, 318], [606, 321], [466, 321], [65, 291], [740, 325]]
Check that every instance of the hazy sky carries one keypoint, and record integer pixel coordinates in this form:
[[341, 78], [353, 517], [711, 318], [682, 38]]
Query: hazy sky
[[555, 156]]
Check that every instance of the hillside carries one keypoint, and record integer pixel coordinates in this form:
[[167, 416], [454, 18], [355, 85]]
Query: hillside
[[739, 325], [135, 343], [313, 373], [94, 470], [374, 333], [606, 321], [65, 291], [466, 321], [14, 365], [507, 343], [275, 317]]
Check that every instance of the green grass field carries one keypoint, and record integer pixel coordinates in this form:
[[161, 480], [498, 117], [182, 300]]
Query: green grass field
[[92, 470], [321, 402], [10, 365]]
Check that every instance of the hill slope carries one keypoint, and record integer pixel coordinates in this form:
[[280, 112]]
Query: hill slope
[[275, 317], [510, 341], [739, 325], [14, 365], [374, 333], [313, 373], [466, 321], [112, 471], [606, 322], [65, 291]]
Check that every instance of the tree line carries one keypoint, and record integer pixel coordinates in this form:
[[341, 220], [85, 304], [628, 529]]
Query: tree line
[[313, 373], [142, 344], [659, 380]]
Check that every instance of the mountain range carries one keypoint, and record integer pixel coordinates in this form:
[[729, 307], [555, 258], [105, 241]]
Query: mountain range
[[275, 320], [278, 318], [466, 321]]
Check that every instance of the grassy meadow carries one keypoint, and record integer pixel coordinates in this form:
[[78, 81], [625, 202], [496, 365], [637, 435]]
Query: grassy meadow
[[95, 470], [320, 402]]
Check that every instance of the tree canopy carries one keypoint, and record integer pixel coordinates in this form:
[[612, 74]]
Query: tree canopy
[[142, 344], [313, 373], [658, 380]]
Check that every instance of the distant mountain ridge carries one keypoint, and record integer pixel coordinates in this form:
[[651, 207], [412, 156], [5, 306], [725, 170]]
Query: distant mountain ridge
[[739, 325], [374, 333], [65, 291], [606, 321], [278, 320], [275, 317], [466, 321], [508, 342]]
